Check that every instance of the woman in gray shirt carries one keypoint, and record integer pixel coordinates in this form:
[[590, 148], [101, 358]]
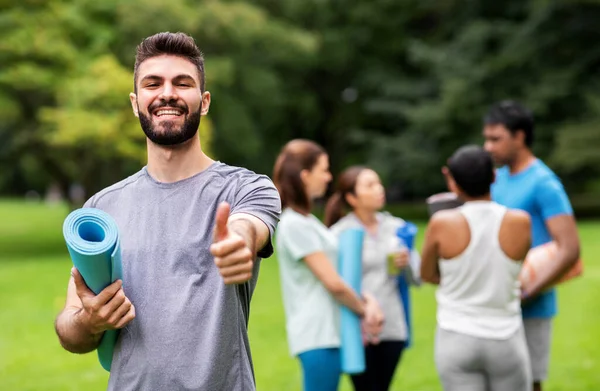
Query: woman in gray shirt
[[359, 190]]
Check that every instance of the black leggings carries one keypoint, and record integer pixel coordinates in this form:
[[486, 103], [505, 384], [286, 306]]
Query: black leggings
[[381, 362]]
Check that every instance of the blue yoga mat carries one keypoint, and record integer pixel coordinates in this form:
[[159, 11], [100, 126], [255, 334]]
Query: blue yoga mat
[[350, 268], [407, 234], [92, 238]]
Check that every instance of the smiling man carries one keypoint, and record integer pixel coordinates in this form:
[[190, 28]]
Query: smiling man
[[193, 232]]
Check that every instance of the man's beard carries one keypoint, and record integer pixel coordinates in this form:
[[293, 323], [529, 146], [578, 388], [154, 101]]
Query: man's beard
[[505, 160], [170, 135]]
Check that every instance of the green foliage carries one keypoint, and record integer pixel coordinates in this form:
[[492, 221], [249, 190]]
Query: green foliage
[[92, 111], [395, 84], [64, 89], [530, 51]]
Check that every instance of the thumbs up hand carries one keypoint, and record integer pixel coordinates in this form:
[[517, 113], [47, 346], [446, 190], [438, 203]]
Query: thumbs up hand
[[233, 255]]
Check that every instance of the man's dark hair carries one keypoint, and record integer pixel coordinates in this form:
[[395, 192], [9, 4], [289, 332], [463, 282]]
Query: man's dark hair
[[514, 116], [472, 169], [175, 44]]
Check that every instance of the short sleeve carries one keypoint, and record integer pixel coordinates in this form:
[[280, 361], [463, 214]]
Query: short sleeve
[[300, 238], [551, 198], [90, 203], [258, 197]]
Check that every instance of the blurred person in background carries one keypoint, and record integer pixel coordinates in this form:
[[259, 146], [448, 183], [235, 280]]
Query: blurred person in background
[[525, 182], [308, 255], [192, 234], [475, 253], [359, 190]]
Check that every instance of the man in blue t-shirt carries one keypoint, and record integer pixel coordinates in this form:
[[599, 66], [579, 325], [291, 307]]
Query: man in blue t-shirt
[[525, 182]]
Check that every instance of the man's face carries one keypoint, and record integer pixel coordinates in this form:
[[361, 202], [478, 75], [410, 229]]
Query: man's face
[[169, 102], [501, 143]]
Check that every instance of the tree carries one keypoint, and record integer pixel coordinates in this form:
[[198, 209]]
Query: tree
[[398, 85], [68, 76]]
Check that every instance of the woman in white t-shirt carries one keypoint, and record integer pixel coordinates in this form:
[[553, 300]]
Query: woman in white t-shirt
[[385, 260], [307, 255]]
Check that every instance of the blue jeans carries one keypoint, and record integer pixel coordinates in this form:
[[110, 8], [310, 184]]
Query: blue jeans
[[321, 369]]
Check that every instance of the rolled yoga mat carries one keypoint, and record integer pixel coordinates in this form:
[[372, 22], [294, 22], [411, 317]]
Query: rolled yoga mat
[[92, 239], [441, 201], [407, 234], [352, 350]]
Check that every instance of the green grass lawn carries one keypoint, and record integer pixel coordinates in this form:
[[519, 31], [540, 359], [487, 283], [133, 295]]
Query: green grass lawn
[[34, 269]]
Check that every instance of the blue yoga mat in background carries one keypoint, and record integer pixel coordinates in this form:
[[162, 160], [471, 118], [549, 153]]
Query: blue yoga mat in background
[[352, 351], [407, 234], [92, 238]]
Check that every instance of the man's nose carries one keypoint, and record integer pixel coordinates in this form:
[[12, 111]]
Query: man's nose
[[488, 146], [168, 93]]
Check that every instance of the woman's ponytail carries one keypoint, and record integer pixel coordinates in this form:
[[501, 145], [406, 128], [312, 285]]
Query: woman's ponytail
[[337, 204], [334, 209]]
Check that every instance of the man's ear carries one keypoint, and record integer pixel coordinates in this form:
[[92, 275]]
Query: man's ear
[[205, 103], [134, 105], [519, 136]]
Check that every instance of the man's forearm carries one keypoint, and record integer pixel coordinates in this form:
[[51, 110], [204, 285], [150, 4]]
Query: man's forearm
[[566, 258], [246, 229], [72, 333]]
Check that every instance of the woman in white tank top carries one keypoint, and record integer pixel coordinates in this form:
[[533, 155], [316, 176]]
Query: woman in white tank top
[[475, 252]]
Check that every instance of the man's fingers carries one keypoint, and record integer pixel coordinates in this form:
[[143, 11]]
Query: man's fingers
[[114, 303], [221, 218], [120, 312], [229, 247], [239, 269], [108, 293], [237, 279], [80, 285], [129, 316], [240, 256], [85, 293]]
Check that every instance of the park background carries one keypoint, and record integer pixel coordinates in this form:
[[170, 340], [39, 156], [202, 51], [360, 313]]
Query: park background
[[395, 84]]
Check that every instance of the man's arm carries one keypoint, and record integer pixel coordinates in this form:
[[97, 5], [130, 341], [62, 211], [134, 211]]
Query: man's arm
[[557, 213], [563, 230], [254, 231], [237, 240], [257, 199], [86, 316], [73, 334], [430, 271]]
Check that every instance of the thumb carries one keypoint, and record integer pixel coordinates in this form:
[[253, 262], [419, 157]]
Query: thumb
[[80, 285], [221, 218]]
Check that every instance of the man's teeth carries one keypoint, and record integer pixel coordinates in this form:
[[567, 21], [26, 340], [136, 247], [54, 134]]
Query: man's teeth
[[167, 112]]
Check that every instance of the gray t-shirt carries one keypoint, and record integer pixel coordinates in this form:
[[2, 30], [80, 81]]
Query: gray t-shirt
[[190, 330]]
